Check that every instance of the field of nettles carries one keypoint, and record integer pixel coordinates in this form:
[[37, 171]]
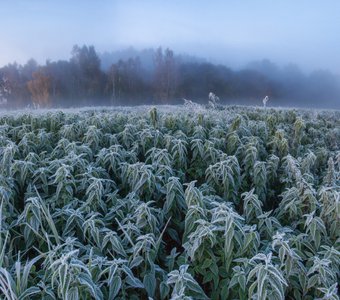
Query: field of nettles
[[170, 203]]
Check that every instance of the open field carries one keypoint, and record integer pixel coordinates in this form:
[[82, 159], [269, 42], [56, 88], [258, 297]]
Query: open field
[[170, 203]]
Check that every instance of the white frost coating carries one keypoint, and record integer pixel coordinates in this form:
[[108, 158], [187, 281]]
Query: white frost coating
[[224, 110], [192, 105]]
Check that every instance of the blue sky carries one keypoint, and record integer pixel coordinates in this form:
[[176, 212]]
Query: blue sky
[[306, 32]]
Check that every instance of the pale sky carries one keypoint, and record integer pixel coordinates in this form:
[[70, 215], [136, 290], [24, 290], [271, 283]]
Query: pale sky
[[234, 32]]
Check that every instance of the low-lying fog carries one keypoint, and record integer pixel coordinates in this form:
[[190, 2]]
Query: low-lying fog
[[240, 50]]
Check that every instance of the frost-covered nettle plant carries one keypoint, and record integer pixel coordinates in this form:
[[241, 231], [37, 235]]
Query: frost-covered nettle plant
[[264, 101], [191, 105], [160, 203], [213, 100]]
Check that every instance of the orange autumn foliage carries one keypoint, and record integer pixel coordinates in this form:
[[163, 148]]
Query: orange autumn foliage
[[39, 88]]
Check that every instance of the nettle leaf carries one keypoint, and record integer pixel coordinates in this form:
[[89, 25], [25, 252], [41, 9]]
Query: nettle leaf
[[30, 292], [115, 286], [164, 290], [207, 262], [73, 294], [131, 279], [149, 282], [136, 262], [242, 282]]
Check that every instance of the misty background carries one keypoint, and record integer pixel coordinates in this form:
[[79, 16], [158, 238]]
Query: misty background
[[134, 52]]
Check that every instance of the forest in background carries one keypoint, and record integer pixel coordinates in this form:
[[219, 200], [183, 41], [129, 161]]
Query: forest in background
[[159, 76]]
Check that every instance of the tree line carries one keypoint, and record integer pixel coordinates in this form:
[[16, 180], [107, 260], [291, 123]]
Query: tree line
[[170, 78]]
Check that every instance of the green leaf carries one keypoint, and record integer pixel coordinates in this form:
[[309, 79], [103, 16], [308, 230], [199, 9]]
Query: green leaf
[[164, 290], [29, 292], [136, 262], [207, 262], [242, 282], [131, 279], [149, 282], [73, 293], [115, 286], [214, 269]]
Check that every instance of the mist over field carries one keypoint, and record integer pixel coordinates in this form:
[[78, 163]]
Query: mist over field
[[151, 52]]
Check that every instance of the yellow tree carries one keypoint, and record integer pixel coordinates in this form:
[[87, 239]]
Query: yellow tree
[[39, 88]]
